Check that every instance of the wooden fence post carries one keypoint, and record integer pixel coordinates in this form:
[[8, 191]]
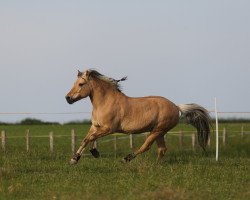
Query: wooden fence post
[[115, 145], [242, 131], [3, 140], [209, 140], [95, 144], [27, 140], [193, 140], [73, 141], [51, 141], [131, 142], [181, 138], [224, 136]]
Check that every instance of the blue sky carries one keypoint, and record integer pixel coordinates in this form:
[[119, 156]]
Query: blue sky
[[186, 51]]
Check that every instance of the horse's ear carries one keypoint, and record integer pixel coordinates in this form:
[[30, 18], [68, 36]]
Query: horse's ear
[[79, 73]]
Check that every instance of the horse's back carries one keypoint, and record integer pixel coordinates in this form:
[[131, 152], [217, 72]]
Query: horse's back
[[152, 113], [161, 104]]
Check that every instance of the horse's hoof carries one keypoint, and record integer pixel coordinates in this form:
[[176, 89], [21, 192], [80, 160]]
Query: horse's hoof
[[128, 158], [124, 161], [75, 159], [95, 153], [73, 162]]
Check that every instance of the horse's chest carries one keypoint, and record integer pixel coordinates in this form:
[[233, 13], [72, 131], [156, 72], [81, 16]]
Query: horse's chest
[[100, 119]]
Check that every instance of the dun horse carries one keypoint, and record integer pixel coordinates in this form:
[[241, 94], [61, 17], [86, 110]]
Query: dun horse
[[114, 112]]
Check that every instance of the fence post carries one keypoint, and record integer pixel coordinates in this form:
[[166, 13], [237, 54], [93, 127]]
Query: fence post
[[131, 142], [27, 140], [51, 141], [217, 130], [95, 144], [193, 140], [115, 145], [209, 140], [181, 138], [242, 131], [224, 136], [73, 140], [3, 139]]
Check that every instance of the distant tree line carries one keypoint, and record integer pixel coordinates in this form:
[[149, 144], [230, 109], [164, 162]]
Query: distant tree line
[[75, 122], [30, 121], [33, 121]]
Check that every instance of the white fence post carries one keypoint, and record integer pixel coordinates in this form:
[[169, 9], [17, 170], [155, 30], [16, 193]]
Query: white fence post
[[209, 140], [193, 141], [181, 138], [217, 130], [131, 142], [3, 140], [242, 131], [51, 141], [73, 141], [115, 145], [95, 144], [27, 140], [224, 136]]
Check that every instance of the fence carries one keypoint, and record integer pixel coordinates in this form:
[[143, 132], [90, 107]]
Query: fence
[[130, 138]]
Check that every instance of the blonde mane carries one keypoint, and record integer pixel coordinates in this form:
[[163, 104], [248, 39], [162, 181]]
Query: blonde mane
[[113, 82]]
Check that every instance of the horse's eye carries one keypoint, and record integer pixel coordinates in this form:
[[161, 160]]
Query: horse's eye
[[81, 84]]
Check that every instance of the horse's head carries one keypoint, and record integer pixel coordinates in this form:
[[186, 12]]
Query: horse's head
[[81, 88]]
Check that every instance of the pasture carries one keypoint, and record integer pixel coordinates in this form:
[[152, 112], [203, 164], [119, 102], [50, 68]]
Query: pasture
[[184, 173]]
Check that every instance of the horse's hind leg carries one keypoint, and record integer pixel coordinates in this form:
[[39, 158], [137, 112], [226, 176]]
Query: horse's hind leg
[[161, 147], [146, 146]]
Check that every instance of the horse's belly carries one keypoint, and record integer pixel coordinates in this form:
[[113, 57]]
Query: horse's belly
[[137, 126]]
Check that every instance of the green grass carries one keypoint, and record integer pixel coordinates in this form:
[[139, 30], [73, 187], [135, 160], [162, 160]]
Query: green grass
[[183, 174]]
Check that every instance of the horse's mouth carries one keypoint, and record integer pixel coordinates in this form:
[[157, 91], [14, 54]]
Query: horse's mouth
[[69, 100]]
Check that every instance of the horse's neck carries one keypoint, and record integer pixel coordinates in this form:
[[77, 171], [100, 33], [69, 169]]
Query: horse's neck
[[102, 94]]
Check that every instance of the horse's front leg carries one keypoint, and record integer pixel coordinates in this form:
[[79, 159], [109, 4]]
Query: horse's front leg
[[93, 134], [100, 132], [84, 143], [93, 149]]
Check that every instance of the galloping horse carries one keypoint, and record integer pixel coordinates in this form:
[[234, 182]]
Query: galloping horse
[[114, 112]]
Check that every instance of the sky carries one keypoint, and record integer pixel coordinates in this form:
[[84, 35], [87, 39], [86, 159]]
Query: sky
[[187, 51]]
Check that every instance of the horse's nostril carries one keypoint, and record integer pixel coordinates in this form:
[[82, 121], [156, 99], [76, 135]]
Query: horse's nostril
[[67, 98]]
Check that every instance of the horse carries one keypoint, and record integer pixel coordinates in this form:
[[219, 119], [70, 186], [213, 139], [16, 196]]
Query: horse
[[114, 112]]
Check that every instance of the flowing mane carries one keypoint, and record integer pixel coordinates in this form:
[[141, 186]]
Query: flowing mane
[[113, 82]]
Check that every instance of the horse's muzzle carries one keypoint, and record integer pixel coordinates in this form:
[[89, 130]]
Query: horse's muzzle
[[69, 99]]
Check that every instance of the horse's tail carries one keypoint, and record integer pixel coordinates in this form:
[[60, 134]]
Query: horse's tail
[[198, 117]]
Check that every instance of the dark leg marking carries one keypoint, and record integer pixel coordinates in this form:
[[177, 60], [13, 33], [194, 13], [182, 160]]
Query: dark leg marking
[[95, 153], [128, 158], [75, 159]]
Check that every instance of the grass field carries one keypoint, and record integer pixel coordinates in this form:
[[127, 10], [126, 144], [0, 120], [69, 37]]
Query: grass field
[[183, 174]]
